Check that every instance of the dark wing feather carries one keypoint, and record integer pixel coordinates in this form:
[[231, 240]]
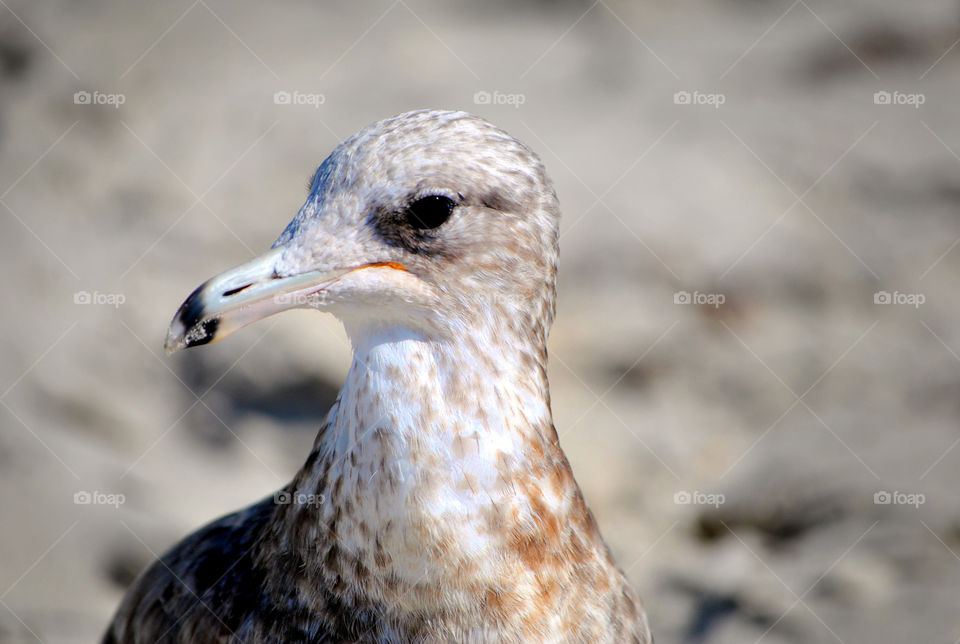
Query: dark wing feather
[[208, 588]]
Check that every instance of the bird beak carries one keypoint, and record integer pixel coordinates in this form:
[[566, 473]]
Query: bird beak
[[240, 296]]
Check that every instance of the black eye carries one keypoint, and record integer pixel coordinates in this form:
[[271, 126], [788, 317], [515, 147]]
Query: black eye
[[429, 212]]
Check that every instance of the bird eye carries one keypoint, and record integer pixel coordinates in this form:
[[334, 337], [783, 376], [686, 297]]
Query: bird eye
[[429, 212]]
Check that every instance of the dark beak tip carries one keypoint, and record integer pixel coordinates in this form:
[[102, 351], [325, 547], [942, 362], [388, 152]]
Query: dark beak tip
[[185, 337], [188, 327], [191, 311]]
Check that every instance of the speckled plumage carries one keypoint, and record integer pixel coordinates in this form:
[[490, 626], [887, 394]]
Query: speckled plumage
[[436, 504]]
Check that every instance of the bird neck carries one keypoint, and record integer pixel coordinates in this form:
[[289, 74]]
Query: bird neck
[[438, 458], [437, 499], [434, 425]]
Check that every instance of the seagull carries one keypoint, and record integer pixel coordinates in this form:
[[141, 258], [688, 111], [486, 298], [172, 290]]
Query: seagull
[[436, 504]]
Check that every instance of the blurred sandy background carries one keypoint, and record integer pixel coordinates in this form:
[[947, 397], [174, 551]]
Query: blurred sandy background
[[775, 464]]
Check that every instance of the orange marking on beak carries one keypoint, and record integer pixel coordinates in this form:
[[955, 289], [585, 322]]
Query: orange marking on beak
[[394, 265]]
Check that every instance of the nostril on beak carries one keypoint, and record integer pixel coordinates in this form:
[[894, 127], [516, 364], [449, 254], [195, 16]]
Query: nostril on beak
[[234, 291]]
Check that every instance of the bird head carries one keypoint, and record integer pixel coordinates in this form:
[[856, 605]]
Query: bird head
[[431, 221]]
